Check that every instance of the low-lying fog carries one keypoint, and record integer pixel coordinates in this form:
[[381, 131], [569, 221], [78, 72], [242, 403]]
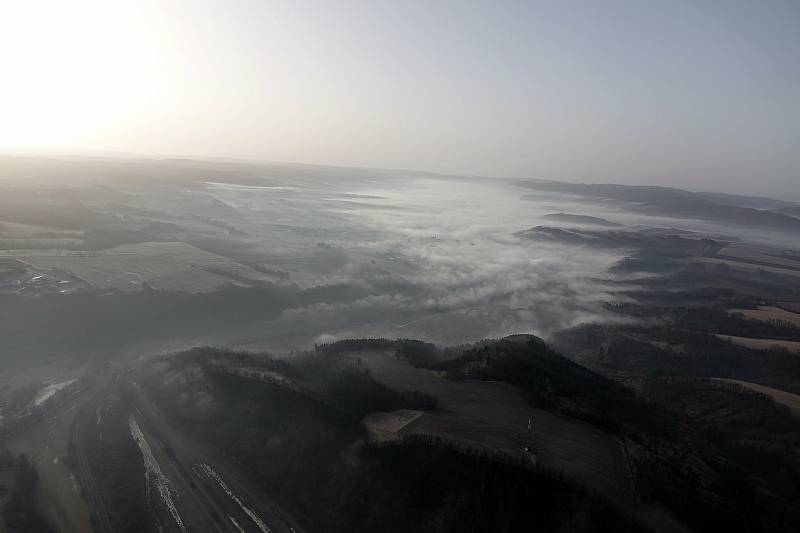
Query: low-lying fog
[[438, 258], [415, 255]]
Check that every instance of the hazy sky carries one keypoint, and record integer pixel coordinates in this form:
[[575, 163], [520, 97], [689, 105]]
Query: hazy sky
[[698, 94]]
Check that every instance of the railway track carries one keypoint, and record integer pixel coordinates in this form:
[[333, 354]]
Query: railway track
[[101, 521]]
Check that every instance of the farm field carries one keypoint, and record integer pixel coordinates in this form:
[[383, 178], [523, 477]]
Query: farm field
[[762, 344], [790, 400], [163, 265], [767, 313]]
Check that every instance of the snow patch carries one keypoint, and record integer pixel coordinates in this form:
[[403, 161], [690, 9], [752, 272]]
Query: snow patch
[[153, 472], [208, 471], [46, 393], [236, 524]]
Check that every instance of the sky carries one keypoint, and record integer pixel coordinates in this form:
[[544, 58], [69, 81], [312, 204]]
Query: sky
[[702, 95]]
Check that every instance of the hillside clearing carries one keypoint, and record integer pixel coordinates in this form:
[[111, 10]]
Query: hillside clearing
[[494, 416], [761, 344], [768, 313], [790, 400]]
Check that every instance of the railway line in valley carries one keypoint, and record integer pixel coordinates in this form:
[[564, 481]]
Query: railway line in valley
[[100, 518], [209, 496]]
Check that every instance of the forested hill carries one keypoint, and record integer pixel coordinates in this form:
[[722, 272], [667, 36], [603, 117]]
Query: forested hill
[[666, 200]]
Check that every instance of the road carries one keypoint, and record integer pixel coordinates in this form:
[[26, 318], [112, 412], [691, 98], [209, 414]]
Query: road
[[101, 520], [46, 440]]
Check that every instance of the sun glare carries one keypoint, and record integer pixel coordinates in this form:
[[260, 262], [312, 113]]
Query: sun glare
[[71, 68]]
